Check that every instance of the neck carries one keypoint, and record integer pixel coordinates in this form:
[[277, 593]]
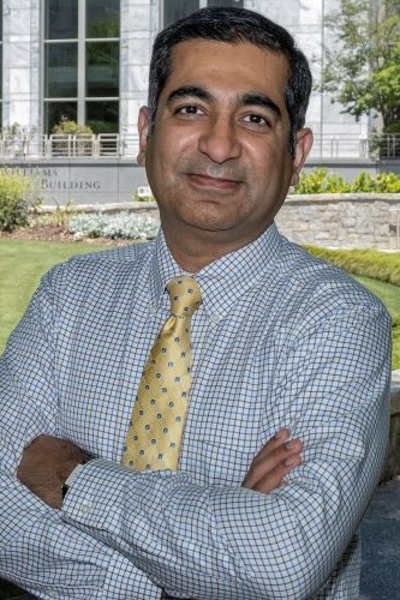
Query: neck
[[193, 252]]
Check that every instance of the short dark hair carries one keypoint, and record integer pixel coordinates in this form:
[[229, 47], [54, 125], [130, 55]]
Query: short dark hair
[[234, 25]]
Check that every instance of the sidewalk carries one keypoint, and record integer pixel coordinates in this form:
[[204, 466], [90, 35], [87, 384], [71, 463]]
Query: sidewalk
[[380, 576]]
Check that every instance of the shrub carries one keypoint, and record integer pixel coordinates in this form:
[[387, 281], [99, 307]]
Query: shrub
[[102, 127], [14, 199], [396, 341], [120, 226], [70, 127], [382, 266], [72, 137], [383, 182], [321, 181]]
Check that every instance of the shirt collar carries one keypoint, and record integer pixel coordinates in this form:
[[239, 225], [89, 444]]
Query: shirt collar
[[224, 280]]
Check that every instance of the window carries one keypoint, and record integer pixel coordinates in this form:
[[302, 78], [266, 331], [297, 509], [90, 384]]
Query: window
[[176, 9], [81, 63]]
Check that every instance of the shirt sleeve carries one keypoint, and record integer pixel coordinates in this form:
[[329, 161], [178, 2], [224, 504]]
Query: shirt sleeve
[[231, 543], [38, 550]]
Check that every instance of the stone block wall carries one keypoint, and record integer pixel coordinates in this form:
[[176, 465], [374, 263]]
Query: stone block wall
[[342, 220], [392, 466]]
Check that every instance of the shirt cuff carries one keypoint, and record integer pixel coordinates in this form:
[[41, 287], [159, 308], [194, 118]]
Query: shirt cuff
[[92, 504]]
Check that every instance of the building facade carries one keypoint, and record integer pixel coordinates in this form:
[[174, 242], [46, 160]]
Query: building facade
[[87, 61]]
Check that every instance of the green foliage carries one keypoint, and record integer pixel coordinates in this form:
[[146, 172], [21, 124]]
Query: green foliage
[[70, 127], [103, 126], [382, 183], [382, 266], [322, 181], [14, 199], [143, 197], [362, 66], [396, 342], [103, 28], [82, 136]]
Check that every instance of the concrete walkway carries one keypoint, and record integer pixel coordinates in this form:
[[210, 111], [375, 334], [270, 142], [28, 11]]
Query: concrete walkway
[[380, 576]]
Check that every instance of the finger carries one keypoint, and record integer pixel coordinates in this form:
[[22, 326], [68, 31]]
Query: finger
[[274, 463], [269, 458], [276, 478], [280, 438]]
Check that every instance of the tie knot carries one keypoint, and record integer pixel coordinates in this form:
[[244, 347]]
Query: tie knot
[[185, 296]]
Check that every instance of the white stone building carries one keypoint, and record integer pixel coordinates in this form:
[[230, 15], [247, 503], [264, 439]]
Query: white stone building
[[87, 60]]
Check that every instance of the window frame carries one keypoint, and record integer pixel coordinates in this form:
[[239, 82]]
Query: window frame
[[201, 4], [82, 98]]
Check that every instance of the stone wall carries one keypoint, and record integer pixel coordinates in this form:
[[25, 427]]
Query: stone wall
[[343, 220], [392, 466], [327, 220]]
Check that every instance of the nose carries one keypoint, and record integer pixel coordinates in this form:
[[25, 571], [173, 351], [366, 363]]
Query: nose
[[219, 140]]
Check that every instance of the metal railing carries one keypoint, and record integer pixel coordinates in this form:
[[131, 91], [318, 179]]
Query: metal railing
[[108, 145], [351, 146], [54, 146]]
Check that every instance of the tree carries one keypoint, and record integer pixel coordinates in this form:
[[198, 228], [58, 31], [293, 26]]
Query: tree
[[362, 66]]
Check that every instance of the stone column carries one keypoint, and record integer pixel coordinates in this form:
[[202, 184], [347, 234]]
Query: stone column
[[21, 65], [134, 61]]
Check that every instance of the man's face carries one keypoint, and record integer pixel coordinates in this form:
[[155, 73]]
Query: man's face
[[218, 159]]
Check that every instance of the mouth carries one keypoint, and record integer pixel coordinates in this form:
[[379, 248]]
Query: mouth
[[213, 183]]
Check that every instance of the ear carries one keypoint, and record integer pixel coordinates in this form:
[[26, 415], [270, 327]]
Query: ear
[[305, 140], [143, 129]]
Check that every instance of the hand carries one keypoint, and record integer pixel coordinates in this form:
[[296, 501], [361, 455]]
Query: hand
[[274, 461], [46, 464]]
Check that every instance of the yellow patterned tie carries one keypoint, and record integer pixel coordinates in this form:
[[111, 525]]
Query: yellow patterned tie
[[155, 432]]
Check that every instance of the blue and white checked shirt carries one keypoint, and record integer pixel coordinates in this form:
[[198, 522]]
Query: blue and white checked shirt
[[281, 340]]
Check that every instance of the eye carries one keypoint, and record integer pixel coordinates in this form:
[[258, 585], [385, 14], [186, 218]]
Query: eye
[[256, 120], [189, 110]]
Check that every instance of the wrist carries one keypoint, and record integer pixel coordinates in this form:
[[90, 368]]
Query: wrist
[[72, 477]]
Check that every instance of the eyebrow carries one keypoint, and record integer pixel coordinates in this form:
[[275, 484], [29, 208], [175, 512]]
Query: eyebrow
[[189, 90], [248, 99], [257, 99]]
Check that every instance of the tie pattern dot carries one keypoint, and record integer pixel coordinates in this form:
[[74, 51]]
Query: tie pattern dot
[[158, 417]]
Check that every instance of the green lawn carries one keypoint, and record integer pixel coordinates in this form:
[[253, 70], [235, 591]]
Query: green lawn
[[387, 292], [390, 296], [22, 263]]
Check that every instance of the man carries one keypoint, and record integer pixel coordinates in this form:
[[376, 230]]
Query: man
[[285, 349]]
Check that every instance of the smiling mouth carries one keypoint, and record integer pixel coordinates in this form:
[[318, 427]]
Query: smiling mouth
[[215, 183]]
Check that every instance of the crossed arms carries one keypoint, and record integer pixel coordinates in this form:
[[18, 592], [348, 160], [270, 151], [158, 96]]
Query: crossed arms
[[121, 533]]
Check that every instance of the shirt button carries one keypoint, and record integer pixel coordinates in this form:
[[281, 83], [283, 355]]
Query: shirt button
[[215, 318], [86, 508]]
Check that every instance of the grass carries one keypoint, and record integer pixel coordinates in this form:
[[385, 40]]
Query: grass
[[390, 296], [23, 262], [21, 266], [387, 292], [383, 266], [380, 273]]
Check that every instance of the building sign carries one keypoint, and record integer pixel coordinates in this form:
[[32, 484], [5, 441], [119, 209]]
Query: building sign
[[96, 182]]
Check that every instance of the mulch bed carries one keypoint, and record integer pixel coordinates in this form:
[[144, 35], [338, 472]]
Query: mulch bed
[[53, 232]]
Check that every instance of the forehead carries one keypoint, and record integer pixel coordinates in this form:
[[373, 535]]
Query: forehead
[[240, 67]]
